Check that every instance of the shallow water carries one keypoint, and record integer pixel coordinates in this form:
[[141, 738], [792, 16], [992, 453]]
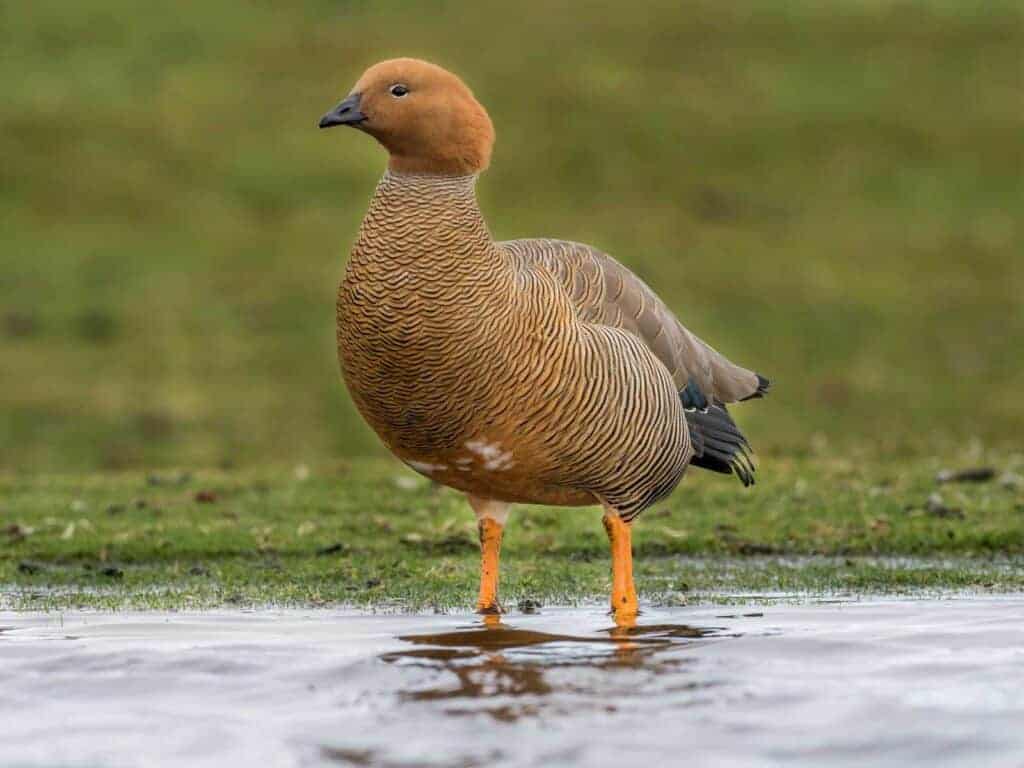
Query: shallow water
[[826, 684]]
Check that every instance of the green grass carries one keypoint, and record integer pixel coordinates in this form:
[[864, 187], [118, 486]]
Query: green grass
[[828, 192], [372, 534]]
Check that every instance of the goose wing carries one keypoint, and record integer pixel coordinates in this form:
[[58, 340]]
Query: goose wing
[[607, 293]]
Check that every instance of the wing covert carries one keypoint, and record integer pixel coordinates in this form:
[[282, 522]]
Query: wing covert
[[607, 293]]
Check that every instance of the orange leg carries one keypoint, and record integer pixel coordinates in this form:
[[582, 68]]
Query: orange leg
[[490, 551], [491, 516], [620, 537]]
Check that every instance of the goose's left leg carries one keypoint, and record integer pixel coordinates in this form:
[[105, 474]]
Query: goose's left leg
[[491, 516], [620, 537]]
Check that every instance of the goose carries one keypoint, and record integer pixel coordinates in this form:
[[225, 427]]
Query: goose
[[534, 371]]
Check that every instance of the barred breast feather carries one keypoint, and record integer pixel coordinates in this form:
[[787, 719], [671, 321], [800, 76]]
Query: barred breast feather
[[529, 371]]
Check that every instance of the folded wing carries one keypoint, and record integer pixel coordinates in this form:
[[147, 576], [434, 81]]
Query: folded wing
[[607, 293]]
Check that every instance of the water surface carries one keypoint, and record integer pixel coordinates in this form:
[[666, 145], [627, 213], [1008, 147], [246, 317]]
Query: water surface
[[888, 682]]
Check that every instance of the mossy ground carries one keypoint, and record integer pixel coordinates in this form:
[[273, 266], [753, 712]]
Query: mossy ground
[[372, 534]]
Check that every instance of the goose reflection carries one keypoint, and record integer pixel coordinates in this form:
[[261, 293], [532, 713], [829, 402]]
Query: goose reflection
[[508, 672]]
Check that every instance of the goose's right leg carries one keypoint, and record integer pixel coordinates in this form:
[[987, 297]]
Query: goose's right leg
[[491, 517], [620, 537]]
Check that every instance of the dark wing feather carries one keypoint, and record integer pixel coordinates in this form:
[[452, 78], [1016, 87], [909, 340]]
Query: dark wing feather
[[718, 444]]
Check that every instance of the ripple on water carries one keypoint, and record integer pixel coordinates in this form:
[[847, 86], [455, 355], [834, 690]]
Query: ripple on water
[[910, 683]]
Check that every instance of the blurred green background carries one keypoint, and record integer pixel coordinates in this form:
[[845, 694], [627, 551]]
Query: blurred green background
[[829, 192]]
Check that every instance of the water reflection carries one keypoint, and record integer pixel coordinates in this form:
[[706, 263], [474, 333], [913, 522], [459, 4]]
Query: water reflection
[[497, 669]]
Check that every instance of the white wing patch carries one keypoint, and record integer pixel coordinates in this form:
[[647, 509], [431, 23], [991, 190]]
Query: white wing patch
[[425, 467], [494, 458]]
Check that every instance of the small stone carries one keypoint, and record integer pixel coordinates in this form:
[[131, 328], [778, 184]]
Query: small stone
[[973, 475], [528, 605], [331, 549]]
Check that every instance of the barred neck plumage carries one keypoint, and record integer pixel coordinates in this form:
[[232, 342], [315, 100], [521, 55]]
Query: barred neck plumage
[[430, 183], [426, 221]]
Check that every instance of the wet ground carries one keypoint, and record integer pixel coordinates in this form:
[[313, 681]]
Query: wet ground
[[915, 682]]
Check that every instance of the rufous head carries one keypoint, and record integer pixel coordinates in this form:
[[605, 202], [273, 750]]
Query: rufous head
[[425, 117]]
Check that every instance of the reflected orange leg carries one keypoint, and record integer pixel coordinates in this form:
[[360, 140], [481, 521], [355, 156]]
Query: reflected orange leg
[[490, 550], [620, 536]]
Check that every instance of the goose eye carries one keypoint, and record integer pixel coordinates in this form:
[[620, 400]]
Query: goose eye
[[398, 90]]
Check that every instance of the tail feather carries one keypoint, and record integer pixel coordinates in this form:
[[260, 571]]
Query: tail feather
[[718, 444], [763, 385]]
